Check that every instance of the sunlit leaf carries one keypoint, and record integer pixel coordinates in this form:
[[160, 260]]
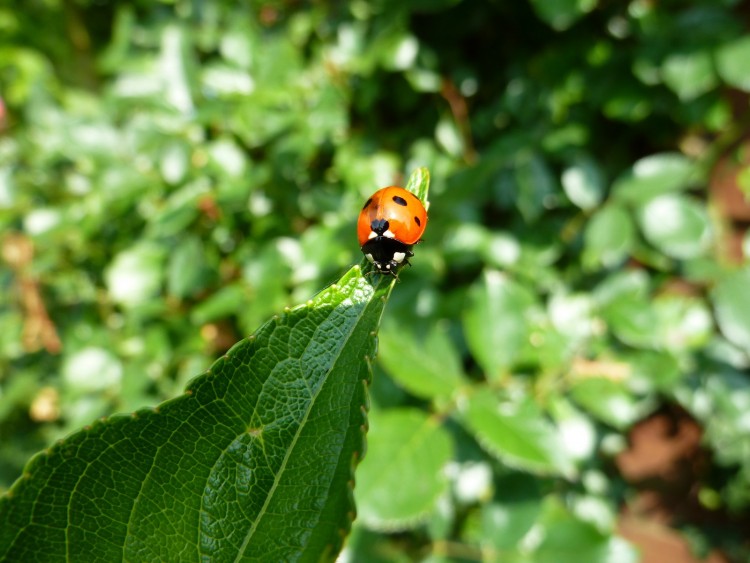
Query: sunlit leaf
[[583, 182], [561, 14], [569, 539], [689, 74], [609, 237], [517, 433], [652, 176], [731, 300], [676, 225], [733, 63], [259, 447], [403, 475], [135, 275], [427, 368], [495, 321], [609, 401], [536, 185]]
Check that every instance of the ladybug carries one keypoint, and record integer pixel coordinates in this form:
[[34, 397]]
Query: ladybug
[[389, 224]]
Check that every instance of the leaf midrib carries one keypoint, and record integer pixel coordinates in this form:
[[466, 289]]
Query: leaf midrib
[[297, 433]]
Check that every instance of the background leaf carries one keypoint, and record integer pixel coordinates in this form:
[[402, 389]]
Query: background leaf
[[570, 539], [583, 182], [731, 302], [403, 474], [496, 321], [561, 14], [609, 237], [517, 433], [653, 175], [431, 368], [731, 63], [689, 74], [676, 226]]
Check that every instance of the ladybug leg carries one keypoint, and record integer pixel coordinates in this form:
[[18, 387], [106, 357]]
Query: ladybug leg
[[409, 254]]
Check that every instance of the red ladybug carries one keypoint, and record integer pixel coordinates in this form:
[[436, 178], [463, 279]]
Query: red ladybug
[[389, 224]]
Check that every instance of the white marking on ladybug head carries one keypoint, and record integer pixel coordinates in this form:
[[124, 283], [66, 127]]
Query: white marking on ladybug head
[[399, 257], [370, 258], [372, 234], [389, 234]]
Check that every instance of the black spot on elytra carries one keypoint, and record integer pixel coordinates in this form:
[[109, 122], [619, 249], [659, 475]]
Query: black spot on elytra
[[399, 200], [379, 226], [417, 221], [368, 202]]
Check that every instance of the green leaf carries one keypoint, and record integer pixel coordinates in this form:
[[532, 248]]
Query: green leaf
[[419, 184], [722, 406], [177, 68], [228, 158], [683, 322], [174, 162], [652, 176], [583, 182], [402, 477], [668, 322], [368, 546], [731, 301], [259, 448], [517, 433], [733, 63], [568, 539], [653, 370], [221, 304], [505, 525], [448, 136], [135, 274], [188, 271], [689, 74], [609, 237], [561, 14], [399, 51], [607, 400], [676, 225], [92, 369], [430, 368], [495, 321], [536, 184]]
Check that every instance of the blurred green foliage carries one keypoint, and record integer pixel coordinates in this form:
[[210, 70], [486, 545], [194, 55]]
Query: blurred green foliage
[[173, 173]]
